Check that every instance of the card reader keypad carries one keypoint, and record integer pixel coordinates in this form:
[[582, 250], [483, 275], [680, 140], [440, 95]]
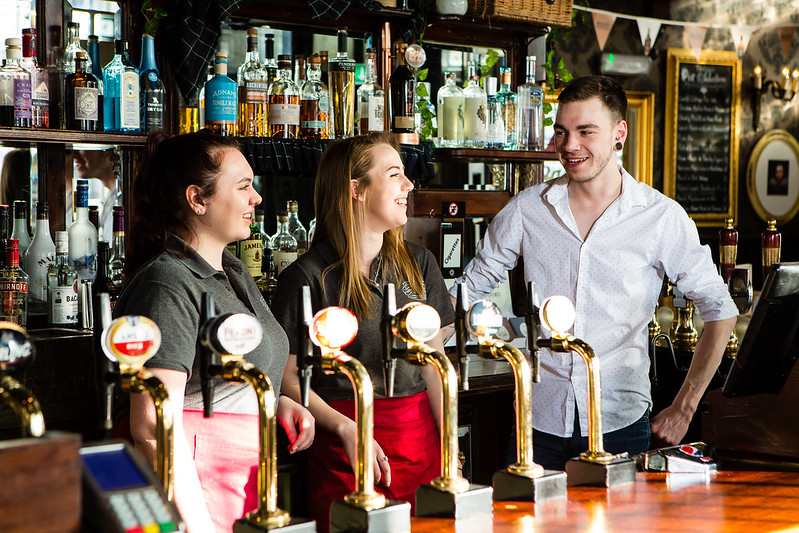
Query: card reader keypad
[[142, 511]]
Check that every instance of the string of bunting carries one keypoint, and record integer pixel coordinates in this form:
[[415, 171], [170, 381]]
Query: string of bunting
[[695, 32]]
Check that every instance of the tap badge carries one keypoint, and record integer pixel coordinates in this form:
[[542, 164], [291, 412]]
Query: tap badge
[[484, 318], [333, 327], [131, 340], [16, 348], [239, 334]]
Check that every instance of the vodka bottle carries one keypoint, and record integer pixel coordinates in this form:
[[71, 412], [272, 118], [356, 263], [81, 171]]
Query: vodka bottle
[[475, 119], [314, 103], [253, 90], [38, 259], [507, 99], [450, 112], [121, 104], [83, 236], [13, 287], [341, 73], [402, 95], [495, 130], [118, 251], [284, 102], [530, 121], [21, 226], [152, 88], [15, 88], [62, 286], [371, 101], [81, 98], [40, 81], [284, 245], [296, 228], [221, 100]]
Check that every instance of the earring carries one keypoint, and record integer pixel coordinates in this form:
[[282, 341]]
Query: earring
[[619, 146], [200, 211]]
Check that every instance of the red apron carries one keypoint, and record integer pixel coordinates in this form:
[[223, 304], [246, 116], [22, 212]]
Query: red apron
[[405, 429]]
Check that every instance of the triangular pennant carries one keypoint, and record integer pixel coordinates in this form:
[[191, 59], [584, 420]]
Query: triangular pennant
[[740, 38], [696, 38], [648, 29], [603, 23], [785, 33]]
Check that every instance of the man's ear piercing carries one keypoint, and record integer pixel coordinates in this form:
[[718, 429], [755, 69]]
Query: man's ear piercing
[[619, 146]]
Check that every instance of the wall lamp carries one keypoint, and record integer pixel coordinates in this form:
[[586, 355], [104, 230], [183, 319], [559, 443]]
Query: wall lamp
[[785, 89]]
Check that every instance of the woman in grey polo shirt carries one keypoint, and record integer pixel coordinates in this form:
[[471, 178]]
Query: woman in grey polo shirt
[[193, 195], [361, 202]]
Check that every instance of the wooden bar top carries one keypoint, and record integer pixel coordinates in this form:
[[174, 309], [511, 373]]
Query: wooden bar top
[[730, 501]]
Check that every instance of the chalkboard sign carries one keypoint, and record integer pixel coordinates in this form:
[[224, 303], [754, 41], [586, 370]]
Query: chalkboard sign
[[703, 103]]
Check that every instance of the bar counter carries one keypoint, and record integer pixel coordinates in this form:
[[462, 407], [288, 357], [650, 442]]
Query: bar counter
[[728, 501]]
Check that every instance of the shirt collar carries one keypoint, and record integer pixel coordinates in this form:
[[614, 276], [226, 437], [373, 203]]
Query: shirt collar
[[194, 261], [632, 193]]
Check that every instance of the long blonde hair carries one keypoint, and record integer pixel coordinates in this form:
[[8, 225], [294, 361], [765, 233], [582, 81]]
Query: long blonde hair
[[339, 217]]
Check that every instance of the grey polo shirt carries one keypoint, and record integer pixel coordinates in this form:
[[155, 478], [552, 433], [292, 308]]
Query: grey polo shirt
[[169, 288], [366, 347]]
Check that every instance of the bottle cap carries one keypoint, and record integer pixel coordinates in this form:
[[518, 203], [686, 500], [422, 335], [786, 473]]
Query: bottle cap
[[221, 56], [81, 55], [14, 41], [94, 38], [120, 46], [252, 32], [315, 59]]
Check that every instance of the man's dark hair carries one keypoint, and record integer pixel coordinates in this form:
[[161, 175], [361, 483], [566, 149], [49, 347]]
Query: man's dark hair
[[607, 89]]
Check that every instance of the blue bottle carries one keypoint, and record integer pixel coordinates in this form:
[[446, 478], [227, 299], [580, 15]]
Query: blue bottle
[[221, 100], [121, 110], [152, 87]]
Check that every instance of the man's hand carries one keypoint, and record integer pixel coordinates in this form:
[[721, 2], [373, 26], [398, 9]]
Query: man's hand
[[298, 423], [671, 424]]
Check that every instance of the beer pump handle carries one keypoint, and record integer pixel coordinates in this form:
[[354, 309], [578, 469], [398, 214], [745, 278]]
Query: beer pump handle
[[207, 311], [461, 304], [533, 330], [109, 370], [304, 344], [389, 362]]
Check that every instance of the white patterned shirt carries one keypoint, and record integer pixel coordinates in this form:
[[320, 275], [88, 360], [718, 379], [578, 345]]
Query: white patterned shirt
[[613, 277]]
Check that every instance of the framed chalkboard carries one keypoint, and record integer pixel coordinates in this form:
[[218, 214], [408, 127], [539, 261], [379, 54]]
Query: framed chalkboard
[[703, 107]]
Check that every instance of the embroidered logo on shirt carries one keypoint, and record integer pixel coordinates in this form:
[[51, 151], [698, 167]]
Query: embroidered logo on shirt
[[405, 287]]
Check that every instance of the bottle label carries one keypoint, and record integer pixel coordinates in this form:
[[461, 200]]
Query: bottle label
[[41, 93], [288, 114], [474, 119], [130, 111], [450, 123], [283, 259], [64, 304], [375, 113], [14, 286], [154, 110], [85, 103], [221, 103], [404, 122], [22, 98], [252, 255], [256, 91]]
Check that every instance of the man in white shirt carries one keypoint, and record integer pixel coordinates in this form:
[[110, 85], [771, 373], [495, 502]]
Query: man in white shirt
[[605, 241]]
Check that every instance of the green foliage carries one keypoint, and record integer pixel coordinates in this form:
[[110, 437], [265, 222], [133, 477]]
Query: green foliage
[[491, 59], [557, 74], [424, 107], [152, 16]]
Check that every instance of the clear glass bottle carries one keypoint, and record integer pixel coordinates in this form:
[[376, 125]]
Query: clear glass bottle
[[121, 106], [66, 67], [284, 102], [40, 81], [118, 251], [270, 63], [475, 119], [450, 112], [221, 100], [267, 283], [201, 97], [152, 88], [284, 245], [81, 98], [15, 88], [38, 258], [83, 236], [314, 103], [251, 251], [253, 90], [21, 226], [371, 99], [300, 69], [495, 130], [62, 286], [103, 282], [341, 73], [507, 99], [530, 121], [402, 94], [296, 228], [13, 287]]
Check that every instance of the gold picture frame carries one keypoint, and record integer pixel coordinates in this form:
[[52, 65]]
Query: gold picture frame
[[772, 176], [703, 115]]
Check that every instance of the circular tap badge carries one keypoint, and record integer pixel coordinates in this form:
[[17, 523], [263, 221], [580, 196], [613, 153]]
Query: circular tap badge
[[131, 340], [16, 348], [237, 334], [484, 318], [415, 56], [422, 321], [333, 327]]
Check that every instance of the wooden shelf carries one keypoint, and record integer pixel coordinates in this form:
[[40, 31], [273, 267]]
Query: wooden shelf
[[487, 154], [427, 202], [70, 137], [479, 32], [295, 13]]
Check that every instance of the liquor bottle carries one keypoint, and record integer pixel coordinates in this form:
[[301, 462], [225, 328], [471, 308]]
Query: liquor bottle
[[507, 99], [40, 81], [121, 104], [66, 67], [38, 258], [13, 287], [220, 100], [300, 67], [253, 90], [314, 103], [118, 250], [83, 236], [93, 50], [62, 286], [94, 218], [284, 245], [474, 112], [450, 112], [371, 99], [21, 226], [270, 64], [495, 130], [284, 102], [15, 88], [771, 247], [152, 88], [81, 98], [267, 283], [341, 73], [296, 228], [325, 57], [728, 250], [5, 231], [402, 95], [103, 282], [530, 120], [251, 251]]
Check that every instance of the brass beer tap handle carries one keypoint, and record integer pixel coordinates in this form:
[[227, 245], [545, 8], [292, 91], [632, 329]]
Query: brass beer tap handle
[[24, 404]]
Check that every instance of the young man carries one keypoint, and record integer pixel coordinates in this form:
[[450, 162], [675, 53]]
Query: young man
[[605, 241]]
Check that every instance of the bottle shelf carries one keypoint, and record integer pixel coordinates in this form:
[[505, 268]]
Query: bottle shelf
[[71, 136], [524, 156]]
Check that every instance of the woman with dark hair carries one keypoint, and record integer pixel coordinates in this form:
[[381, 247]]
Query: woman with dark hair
[[361, 202], [193, 195]]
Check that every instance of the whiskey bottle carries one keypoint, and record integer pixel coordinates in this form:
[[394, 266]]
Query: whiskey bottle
[[530, 121], [314, 103], [152, 88], [81, 98], [270, 64], [371, 101], [121, 106], [15, 88], [251, 251], [284, 102], [221, 101], [13, 287], [38, 258], [83, 236], [341, 73], [40, 81], [296, 228], [118, 251], [253, 90], [284, 245], [62, 286], [103, 282], [402, 95]]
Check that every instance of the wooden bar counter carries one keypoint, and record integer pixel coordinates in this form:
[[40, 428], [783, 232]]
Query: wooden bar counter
[[729, 501]]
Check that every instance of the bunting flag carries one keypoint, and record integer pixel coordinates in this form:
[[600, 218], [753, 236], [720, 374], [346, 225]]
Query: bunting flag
[[649, 30], [696, 38], [603, 23], [740, 38], [785, 33]]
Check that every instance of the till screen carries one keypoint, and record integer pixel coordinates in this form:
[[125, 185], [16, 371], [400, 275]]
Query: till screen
[[113, 470]]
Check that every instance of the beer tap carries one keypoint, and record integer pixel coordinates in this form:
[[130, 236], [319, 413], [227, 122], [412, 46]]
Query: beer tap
[[230, 337], [462, 335], [728, 256], [16, 352], [389, 363], [523, 480], [108, 369], [130, 341], [684, 335], [449, 495], [331, 329], [533, 330], [305, 351], [595, 466]]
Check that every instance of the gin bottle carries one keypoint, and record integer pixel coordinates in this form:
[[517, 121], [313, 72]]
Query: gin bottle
[[62, 286], [253, 90], [507, 99], [83, 236], [121, 109], [530, 121], [475, 119], [15, 88], [152, 88], [450, 112], [371, 101], [495, 131], [67, 66], [40, 81], [82, 100]]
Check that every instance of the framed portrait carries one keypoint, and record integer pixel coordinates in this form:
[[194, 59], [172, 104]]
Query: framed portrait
[[772, 176]]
